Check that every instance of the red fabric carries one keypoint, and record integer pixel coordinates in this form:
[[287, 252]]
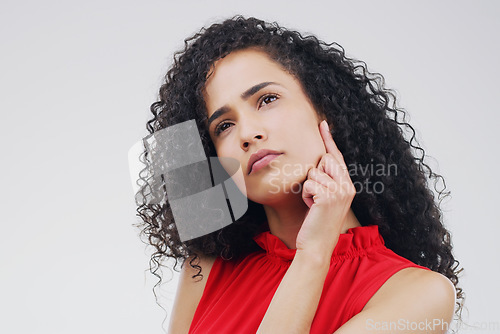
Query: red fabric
[[238, 293]]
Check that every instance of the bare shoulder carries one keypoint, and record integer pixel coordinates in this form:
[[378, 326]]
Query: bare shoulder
[[187, 271], [418, 289], [189, 291], [412, 296]]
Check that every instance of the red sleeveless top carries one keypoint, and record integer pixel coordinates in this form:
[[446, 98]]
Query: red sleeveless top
[[238, 293]]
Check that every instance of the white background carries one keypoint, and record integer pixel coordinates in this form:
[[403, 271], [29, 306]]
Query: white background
[[76, 82]]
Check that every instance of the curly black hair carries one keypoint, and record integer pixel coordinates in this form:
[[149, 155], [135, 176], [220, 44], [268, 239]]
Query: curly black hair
[[367, 126]]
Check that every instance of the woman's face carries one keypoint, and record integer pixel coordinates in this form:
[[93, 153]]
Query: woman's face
[[263, 107]]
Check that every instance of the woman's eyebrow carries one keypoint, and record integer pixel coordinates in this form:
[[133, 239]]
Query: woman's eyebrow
[[219, 112], [245, 96], [252, 90]]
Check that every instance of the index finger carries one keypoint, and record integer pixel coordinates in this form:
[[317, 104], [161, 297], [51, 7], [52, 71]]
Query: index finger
[[330, 145]]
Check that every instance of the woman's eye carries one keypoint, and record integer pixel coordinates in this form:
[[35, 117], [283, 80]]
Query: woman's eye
[[268, 99], [221, 128]]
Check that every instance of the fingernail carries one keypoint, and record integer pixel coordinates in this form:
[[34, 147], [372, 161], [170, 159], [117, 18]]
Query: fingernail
[[326, 125]]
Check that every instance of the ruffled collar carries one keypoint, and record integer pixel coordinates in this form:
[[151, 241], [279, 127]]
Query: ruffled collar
[[352, 243]]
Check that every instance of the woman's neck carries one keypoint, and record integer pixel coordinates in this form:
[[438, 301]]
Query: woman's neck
[[285, 219]]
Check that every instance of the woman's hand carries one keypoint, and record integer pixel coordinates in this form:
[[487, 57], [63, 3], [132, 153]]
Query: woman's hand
[[328, 192]]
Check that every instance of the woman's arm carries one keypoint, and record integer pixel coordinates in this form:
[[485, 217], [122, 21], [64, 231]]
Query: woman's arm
[[294, 304], [328, 192], [188, 295], [413, 300]]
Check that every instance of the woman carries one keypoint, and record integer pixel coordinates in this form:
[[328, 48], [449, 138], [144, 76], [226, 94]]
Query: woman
[[342, 233]]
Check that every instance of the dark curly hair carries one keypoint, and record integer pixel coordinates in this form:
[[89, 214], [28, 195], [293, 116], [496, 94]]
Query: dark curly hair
[[367, 126]]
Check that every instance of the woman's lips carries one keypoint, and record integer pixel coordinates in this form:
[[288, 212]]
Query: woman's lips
[[263, 162]]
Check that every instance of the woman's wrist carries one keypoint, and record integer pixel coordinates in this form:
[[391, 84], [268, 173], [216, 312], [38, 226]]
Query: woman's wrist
[[294, 303], [317, 259]]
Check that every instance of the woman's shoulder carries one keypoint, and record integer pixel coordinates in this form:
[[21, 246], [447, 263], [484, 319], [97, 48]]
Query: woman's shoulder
[[415, 286], [189, 292], [412, 296], [189, 273], [205, 262]]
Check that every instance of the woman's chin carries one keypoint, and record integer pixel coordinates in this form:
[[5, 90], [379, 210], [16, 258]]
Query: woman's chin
[[272, 194]]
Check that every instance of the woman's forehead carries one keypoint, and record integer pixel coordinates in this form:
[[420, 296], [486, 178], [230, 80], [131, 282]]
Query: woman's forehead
[[241, 60], [240, 70]]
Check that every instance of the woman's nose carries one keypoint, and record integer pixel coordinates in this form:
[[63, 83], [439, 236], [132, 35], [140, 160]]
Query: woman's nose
[[251, 131]]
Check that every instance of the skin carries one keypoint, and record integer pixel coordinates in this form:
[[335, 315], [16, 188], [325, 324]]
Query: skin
[[283, 119], [278, 117]]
